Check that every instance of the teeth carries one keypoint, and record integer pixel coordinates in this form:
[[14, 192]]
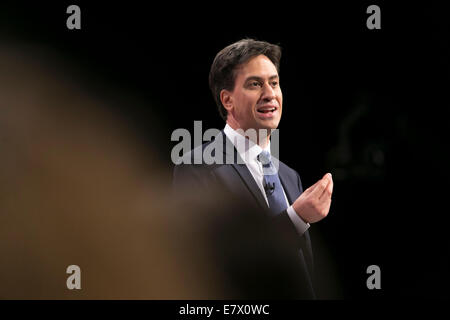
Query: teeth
[[267, 110]]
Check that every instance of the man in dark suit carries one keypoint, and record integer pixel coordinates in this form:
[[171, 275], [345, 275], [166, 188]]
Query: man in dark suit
[[245, 84]]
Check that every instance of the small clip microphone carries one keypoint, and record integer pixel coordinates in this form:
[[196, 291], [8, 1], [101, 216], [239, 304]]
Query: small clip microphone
[[269, 187]]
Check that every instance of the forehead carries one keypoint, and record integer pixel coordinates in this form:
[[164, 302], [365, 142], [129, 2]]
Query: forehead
[[260, 66]]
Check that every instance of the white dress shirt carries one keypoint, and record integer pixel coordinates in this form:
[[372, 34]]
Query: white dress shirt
[[249, 151]]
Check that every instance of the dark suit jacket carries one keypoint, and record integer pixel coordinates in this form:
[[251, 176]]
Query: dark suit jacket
[[237, 181]]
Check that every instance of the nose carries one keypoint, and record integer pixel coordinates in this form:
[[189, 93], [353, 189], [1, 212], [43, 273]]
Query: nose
[[268, 93]]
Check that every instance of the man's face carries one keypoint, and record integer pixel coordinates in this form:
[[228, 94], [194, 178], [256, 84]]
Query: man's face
[[256, 100]]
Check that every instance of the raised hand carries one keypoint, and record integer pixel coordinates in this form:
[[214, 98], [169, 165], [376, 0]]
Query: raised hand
[[314, 203]]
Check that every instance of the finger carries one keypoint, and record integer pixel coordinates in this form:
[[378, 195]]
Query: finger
[[321, 185], [329, 189]]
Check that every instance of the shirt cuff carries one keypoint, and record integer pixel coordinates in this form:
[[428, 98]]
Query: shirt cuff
[[299, 224]]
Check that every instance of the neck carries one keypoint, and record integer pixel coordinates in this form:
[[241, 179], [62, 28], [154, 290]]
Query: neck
[[261, 137]]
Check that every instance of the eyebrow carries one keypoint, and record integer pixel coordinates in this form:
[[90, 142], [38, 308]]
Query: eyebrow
[[260, 79]]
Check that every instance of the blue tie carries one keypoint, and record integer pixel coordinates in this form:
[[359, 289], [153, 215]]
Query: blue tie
[[272, 184]]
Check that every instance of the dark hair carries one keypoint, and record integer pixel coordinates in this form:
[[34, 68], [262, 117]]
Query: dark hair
[[223, 69]]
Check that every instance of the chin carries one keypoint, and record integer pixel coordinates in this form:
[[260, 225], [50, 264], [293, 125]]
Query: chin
[[270, 126]]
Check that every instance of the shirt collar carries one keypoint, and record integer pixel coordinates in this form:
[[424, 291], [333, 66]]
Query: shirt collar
[[247, 149]]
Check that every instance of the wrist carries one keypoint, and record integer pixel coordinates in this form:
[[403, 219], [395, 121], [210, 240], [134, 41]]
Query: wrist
[[298, 212]]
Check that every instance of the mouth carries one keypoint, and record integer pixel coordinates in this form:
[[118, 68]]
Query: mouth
[[267, 111]]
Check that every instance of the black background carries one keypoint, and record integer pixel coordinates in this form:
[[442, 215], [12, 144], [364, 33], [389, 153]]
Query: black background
[[370, 106]]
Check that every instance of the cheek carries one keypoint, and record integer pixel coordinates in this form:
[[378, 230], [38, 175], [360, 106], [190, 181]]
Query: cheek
[[247, 103]]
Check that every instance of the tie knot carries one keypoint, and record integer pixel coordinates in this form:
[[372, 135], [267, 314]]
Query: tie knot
[[264, 157]]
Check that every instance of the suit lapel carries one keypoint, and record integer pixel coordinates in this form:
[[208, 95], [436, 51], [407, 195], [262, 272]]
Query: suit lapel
[[251, 184], [239, 165], [288, 188]]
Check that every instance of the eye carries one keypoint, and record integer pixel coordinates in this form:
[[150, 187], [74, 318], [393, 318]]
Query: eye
[[255, 84], [274, 83]]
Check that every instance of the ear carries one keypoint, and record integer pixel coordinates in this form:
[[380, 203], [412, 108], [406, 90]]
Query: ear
[[226, 98]]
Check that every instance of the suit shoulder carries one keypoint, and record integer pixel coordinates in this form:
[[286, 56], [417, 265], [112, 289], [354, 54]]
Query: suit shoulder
[[209, 154], [194, 156]]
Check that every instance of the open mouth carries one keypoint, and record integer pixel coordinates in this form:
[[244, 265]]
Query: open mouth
[[267, 111]]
